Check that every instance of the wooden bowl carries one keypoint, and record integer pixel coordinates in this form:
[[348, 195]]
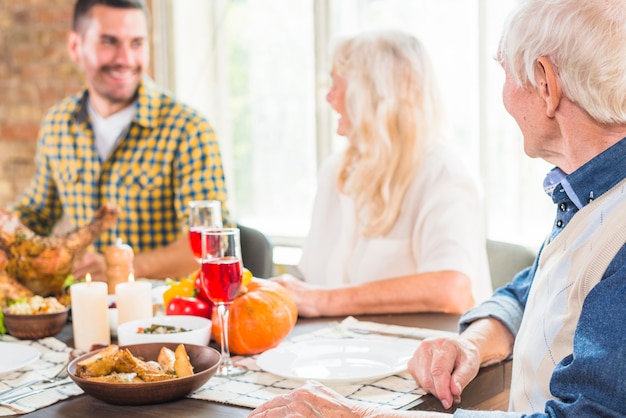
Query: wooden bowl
[[34, 327], [204, 360]]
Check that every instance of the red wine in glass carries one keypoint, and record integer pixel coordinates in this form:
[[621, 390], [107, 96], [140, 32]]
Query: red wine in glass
[[222, 278], [195, 240], [202, 214]]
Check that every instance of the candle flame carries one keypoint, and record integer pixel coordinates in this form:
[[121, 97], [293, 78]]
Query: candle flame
[[131, 277], [88, 278]]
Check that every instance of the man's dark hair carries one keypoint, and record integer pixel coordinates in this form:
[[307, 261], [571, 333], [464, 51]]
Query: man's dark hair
[[82, 9]]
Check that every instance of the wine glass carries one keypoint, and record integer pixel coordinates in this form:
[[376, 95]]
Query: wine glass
[[203, 214], [221, 280]]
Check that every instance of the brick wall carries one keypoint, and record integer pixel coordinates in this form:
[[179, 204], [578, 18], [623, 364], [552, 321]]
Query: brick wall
[[35, 72]]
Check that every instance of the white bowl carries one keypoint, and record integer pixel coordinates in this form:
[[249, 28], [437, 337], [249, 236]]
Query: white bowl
[[199, 330]]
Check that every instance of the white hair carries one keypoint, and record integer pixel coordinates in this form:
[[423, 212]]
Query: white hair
[[586, 42]]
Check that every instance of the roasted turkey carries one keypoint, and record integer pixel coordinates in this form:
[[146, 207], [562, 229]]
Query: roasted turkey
[[30, 263]]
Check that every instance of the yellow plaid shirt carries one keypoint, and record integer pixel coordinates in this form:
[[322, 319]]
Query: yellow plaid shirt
[[168, 157]]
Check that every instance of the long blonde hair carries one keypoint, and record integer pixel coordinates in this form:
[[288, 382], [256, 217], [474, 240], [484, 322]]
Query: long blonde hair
[[393, 106]]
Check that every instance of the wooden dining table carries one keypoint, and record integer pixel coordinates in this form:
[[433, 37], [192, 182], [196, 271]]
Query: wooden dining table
[[489, 390]]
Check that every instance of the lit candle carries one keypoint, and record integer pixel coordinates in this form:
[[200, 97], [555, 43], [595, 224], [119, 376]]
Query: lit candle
[[90, 314], [133, 300]]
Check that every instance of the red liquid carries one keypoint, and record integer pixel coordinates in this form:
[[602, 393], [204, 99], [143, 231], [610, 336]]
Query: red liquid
[[195, 240], [195, 235], [221, 278]]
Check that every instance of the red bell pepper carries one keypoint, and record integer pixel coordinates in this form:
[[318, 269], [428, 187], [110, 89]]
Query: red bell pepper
[[184, 305]]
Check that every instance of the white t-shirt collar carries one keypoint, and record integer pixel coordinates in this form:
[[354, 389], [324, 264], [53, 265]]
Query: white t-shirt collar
[[109, 131]]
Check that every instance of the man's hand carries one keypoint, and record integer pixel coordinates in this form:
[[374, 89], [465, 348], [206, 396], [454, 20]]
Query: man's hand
[[92, 263], [314, 400], [310, 401], [444, 366]]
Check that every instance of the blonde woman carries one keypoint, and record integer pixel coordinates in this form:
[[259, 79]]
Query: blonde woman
[[397, 222]]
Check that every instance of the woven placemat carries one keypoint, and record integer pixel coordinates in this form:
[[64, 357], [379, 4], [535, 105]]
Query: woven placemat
[[54, 356], [256, 386]]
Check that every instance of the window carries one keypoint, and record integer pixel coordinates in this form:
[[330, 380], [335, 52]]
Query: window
[[258, 69]]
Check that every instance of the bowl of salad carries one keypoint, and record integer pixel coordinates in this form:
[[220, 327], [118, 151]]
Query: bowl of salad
[[185, 329], [35, 317]]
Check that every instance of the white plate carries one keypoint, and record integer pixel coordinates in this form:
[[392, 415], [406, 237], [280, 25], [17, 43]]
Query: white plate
[[14, 356], [346, 360]]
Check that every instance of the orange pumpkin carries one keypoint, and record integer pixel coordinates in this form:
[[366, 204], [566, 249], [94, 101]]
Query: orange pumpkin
[[260, 317]]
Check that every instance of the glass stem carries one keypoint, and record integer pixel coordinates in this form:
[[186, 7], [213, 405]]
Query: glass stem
[[223, 310]]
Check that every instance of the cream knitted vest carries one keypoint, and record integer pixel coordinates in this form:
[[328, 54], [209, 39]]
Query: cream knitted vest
[[569, 267]]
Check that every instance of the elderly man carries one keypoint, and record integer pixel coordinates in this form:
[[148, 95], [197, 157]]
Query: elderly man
[[562, 319]]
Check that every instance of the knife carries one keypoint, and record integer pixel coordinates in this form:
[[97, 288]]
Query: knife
[[387, 334], [12, 399]]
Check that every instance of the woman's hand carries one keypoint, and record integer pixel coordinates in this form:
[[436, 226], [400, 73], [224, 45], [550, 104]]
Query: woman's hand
[[444, 366], [309, 300]]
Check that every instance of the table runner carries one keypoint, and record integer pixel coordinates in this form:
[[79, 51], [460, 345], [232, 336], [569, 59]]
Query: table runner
[[257, 386], [54, 356]]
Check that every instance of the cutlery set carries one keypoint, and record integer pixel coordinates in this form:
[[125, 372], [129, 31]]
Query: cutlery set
[[59, 379]]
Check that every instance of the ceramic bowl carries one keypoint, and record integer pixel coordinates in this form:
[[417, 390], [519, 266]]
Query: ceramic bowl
[[199, 330], [34, 327], [204, 360]]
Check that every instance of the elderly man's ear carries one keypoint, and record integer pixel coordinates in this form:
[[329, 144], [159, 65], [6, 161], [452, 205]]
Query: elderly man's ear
[[548, 84]]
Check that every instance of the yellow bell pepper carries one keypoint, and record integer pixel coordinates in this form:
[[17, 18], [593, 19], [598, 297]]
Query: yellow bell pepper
[[184, 287]]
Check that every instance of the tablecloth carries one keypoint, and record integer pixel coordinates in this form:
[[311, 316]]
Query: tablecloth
[[251, 389]]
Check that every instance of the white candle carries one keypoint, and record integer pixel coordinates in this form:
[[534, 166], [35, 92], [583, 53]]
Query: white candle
[[90, 314], [133, 300]]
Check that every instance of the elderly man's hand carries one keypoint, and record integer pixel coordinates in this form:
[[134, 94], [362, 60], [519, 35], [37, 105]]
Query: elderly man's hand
[[314, 400], [311, 400], [444, 366]]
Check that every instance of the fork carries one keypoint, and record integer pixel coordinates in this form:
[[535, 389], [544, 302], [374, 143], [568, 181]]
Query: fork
[[61, 375], [341, 330], [11, 399]]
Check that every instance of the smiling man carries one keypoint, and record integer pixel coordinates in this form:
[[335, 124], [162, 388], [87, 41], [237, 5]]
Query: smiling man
[[124, 141]]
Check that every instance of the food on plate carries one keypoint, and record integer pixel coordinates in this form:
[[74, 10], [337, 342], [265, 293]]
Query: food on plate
[[161, 329], [166, 359], [182, 365], [100, 364], [261, 316], [118, 378], [35, 305], [118, 365], [42, 263], [148, 371]]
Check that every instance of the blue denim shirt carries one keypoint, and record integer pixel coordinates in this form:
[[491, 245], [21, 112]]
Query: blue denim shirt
[[590, 381]]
